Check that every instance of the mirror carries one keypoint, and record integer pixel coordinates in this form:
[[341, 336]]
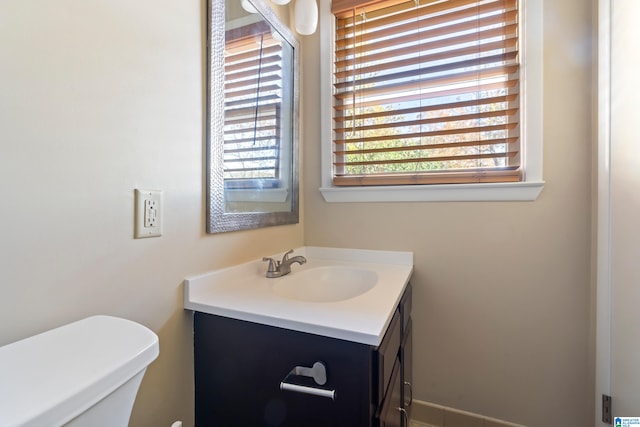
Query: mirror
[[252, 117]]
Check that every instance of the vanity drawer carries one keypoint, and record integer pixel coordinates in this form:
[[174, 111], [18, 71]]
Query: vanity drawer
[[405, 307], [387, 354]]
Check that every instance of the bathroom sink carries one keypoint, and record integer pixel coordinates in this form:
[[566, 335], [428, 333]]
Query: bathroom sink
[[326, 284], [348, 294]]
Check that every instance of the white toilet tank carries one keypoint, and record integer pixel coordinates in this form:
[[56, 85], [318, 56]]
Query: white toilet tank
[[84, 374]]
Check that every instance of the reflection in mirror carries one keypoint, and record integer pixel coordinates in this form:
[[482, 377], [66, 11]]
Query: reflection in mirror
[[253, 123], [255, 104]]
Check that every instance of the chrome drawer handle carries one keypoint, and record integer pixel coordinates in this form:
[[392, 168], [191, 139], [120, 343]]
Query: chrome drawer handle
[[405, 417], [407, 404]]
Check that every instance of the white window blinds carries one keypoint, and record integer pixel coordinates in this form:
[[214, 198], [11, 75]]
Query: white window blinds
[[426, 92]]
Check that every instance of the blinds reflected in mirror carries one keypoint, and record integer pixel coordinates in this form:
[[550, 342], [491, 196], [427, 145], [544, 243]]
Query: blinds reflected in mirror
[[252, 109]]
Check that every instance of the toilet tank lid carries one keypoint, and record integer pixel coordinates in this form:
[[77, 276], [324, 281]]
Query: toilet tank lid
[[50, 378]]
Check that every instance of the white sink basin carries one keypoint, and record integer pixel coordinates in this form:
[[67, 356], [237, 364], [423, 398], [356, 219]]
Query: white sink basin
[[326, 284]]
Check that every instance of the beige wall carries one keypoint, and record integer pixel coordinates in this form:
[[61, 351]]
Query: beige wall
[[502, 290], [97, 98], [101, 97]]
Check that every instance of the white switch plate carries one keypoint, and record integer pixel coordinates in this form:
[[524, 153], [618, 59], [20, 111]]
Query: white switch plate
[[148, 213]]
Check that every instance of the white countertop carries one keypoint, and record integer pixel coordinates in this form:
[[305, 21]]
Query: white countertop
[[243, 292]]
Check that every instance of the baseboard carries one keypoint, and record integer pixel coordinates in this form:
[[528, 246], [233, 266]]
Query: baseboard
[[425, 414]]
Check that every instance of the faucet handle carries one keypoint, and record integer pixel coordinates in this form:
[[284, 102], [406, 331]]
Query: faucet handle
[[272, 264], [285, 257]]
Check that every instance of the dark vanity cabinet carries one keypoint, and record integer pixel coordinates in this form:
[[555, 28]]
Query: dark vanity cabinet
[[249, 374], [394, 409]]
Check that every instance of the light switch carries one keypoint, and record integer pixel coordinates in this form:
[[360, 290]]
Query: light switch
[[148, 213]]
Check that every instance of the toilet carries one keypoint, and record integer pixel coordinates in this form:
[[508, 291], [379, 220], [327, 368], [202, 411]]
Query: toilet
[[84, 374]]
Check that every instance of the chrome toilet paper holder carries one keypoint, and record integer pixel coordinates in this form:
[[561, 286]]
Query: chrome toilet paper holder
[[318, 372]]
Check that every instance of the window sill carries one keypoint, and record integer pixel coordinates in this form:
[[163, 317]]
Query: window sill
[[500, 192], [268, 195]]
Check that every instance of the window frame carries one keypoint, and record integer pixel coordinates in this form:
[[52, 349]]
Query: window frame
[[531, 98]]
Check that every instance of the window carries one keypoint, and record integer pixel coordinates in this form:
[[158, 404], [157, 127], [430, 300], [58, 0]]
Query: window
[[426, 101]]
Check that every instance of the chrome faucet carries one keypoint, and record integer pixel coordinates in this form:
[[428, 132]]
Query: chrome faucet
[[281, 268]]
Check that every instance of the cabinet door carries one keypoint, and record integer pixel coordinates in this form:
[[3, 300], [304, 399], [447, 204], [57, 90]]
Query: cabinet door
[[392, 413], [387, 355], [406, 354], [239, 367]]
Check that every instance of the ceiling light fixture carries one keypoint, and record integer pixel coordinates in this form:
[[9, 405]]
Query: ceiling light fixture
[[306, 16], [246, 5]]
